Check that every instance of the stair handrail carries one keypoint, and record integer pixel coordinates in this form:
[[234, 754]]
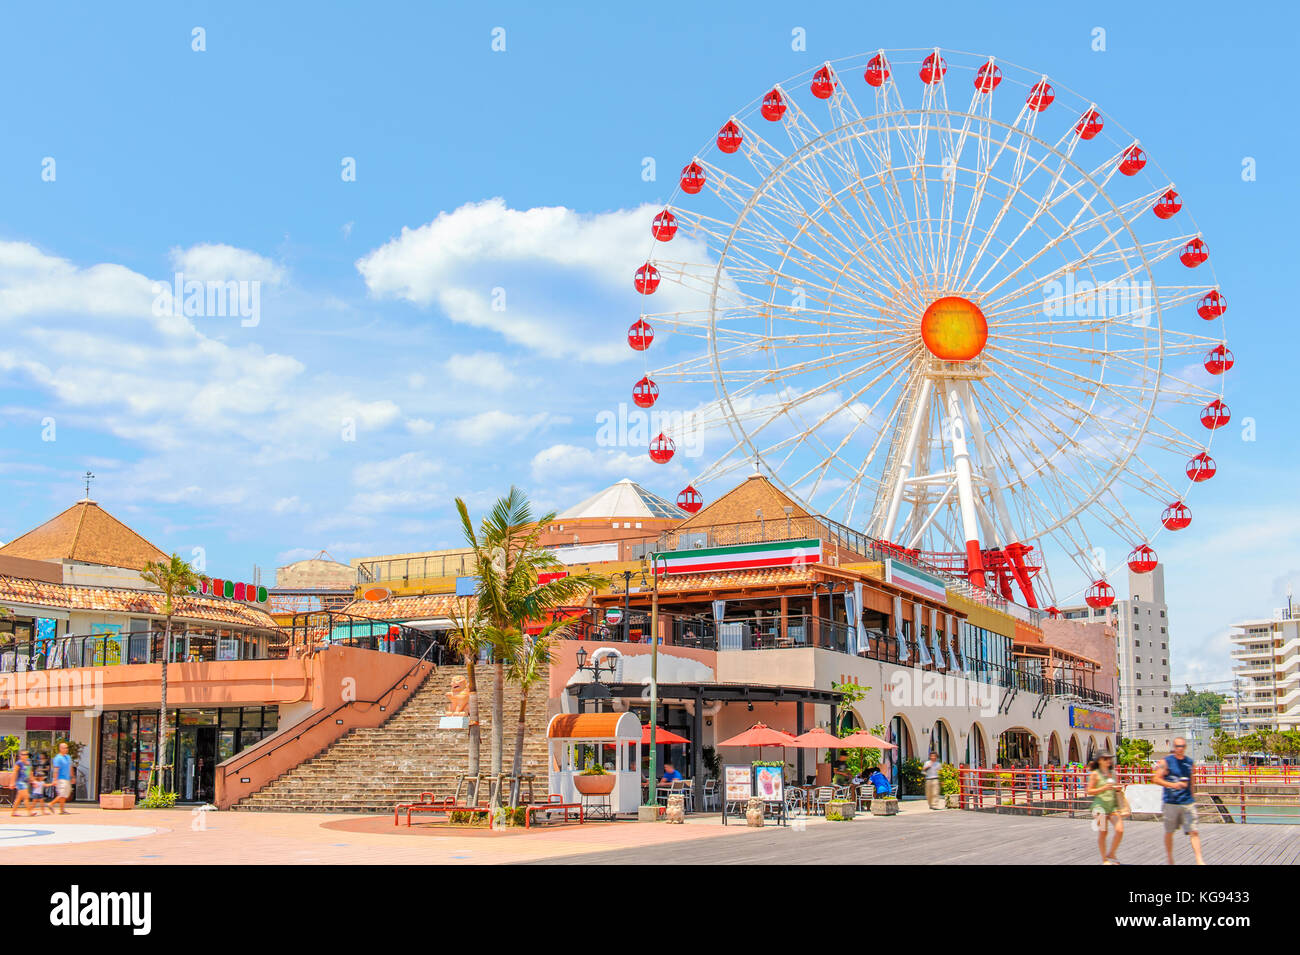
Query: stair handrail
[[321, 717]]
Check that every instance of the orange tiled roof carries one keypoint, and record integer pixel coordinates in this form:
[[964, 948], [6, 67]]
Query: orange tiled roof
[[122, 600], [85, 532], [769, 577], [416, 607]]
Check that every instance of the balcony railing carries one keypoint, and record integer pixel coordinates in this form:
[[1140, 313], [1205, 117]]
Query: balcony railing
[[403, 569]]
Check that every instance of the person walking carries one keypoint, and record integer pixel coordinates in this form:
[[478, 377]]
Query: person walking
[[1174, 775], [1105, 790], [23, 783], [931, 767], [62, 778]]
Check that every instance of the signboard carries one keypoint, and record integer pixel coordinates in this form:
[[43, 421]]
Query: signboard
[[917, 581], [107, 652], [466, 586], [738, 782], [768, 783], [1082, 719], [613, 616], [741, 557]]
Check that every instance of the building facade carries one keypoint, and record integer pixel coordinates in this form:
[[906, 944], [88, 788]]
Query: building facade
[[1266, 674], [1142, 629]]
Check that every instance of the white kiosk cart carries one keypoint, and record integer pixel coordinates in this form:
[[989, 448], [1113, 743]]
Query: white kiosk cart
[[604, 738]]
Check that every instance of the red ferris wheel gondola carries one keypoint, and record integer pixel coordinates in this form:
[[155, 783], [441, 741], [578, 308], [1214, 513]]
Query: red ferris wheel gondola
[[1089, 124], [729, 137], [1218, 360], [1041, 96], [1054, 612], [1099, 595], [988, 77], [1194, 253], [646, 279], [1167, 206], [664, 226], [640, 335], [645, 393], [877, 70], [1212, 305], [1215, 414], [773, 105], [1201, 468], [1131, 163], [933, 67], [1176, 516], [689, 500], [692, 178], [1142, 559], [662, 449], [823, 84]]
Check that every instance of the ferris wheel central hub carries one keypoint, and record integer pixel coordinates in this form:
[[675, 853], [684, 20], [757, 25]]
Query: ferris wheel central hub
[[954, 329]]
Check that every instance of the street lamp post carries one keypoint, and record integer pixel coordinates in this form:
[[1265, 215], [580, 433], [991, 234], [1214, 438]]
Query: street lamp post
[[652, 790]]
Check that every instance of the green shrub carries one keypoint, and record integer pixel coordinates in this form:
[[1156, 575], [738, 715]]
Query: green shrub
[[948, 782], [911, 776], [158, 798], [463, 818]]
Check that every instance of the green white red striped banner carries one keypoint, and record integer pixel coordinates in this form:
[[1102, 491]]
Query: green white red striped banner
[[917, 581], [741, 557]]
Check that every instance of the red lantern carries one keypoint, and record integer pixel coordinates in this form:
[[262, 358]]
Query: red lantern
[[1167, 206], [823, 83], [689, 500], [1212, 305], [645, 393], [692, 178], [664, 226], [1089, 124], [646, 279], [773, 107], [729, 137], [1215, 415], [1194, 253], [662, 449], [1176, 516], [933, 68], [1099, 595], [1142, 559], [877, 70], [1218, 360], [988, 77], [640, 335], [1041, 96], [1133, 160], [1201, 468]]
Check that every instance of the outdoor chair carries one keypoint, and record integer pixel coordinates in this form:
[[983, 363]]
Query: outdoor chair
[[822, 798], [865, 792], [710, 795]]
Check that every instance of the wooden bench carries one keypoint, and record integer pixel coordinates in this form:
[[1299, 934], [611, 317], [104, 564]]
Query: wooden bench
[[533, 808], [445, 806]]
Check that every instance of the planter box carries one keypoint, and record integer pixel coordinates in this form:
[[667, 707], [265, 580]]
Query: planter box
[[884, 807], [117, 801], [841, 807], [952, 800]]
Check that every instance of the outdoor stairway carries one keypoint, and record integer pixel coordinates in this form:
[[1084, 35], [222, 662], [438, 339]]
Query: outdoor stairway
[[371, 769]]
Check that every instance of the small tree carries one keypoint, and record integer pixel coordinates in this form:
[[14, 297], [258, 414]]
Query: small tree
[[174, 577], [468, 641], [529, 665], [1134, 752]]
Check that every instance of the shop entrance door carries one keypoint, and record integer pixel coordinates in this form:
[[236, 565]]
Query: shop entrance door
[[196, 763]]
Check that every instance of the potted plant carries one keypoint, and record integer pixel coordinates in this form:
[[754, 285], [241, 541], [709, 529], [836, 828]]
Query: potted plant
[[884, 806], [840, 810], [594, 780], [117, 800], [949, 786]]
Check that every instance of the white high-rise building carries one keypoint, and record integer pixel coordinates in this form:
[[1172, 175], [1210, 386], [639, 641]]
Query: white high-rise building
[[1266, 674], [1142, 652]]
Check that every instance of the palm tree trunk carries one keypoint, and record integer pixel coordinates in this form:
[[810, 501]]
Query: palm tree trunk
[[160, 752], [518, 771], [498, 726], [475, 737]]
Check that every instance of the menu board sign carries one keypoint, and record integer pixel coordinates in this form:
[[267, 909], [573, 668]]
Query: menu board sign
[[768, 783], [739, 783]]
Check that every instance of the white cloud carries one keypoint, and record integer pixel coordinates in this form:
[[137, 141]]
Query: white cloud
[[409, 468], [419, 426], [567, 460], [482, 369], [495, 426], [215, 262]]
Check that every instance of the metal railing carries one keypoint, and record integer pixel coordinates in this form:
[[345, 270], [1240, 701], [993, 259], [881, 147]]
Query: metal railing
[[414, 568], [138, 646]]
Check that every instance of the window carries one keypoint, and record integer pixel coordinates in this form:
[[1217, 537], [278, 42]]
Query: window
[[1162, 613], [1135, 627], [1137, 659], [1139, 709], [1162, 629], [1139, 693], [1138, 676]]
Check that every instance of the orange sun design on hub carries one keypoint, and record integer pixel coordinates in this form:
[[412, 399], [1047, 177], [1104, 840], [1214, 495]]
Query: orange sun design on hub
[[954, 329]]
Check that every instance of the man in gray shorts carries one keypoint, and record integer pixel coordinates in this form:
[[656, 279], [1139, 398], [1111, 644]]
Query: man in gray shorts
[[1174, 775]]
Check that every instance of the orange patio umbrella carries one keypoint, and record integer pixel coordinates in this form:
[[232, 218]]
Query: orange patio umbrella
[[817, 739], [760, 735], [663, 737], [863, 740]]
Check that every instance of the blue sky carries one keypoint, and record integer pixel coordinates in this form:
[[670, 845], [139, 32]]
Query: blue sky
[[226, 162]]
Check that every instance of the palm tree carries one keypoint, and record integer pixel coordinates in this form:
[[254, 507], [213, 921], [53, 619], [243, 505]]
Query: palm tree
[[467, 640], [509, 562], [173, 577], [527, 667]]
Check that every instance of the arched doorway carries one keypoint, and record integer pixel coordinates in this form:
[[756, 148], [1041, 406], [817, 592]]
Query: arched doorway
[[976, 753], [1054, 750], [1017, 748], [941, 742], [901, 736], [1074, 750]]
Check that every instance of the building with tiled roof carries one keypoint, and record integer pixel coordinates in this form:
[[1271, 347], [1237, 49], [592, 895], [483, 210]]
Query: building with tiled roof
[[612, 524], [85, 533]]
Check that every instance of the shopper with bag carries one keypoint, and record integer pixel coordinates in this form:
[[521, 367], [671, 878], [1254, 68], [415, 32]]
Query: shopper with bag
[[1107, 804]]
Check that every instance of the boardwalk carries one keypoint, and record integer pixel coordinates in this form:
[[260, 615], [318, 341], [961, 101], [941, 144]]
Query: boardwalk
[[959, 838]]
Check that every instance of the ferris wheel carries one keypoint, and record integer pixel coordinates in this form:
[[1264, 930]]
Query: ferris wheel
[[943, 300]]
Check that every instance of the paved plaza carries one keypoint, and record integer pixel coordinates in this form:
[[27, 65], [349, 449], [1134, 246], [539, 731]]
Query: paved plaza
[[916, 836]]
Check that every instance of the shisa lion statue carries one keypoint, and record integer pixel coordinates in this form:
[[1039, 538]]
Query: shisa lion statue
[[458, 698]]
